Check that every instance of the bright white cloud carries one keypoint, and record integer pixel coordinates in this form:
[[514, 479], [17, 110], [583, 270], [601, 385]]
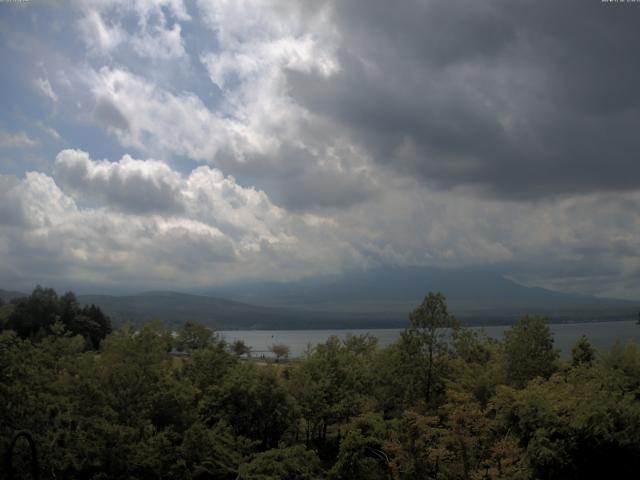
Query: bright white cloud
[[47, 234], [292, 152], [258, 131], [137, 111]]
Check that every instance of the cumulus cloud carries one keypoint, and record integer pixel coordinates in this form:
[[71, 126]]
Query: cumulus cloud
[[305, 162], [132, 185], [336, 135], [257, 132], [141, 187], [87, 224], [223, 231]]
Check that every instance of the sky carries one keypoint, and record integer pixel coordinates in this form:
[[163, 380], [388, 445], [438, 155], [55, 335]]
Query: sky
[[175, 144]]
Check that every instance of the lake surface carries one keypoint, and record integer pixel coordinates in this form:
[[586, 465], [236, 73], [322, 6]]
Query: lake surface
[[600, 334]]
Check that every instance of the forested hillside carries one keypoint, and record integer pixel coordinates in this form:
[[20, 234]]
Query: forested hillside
[[441, 403]]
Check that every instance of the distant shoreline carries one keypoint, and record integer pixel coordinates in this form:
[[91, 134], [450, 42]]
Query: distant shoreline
[[394, 326]]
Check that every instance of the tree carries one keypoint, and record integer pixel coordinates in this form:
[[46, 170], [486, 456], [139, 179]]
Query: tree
[[582, 353], [417, 448], [332, 384], [90, 322], [253, 401], [529, 351], [582, 423], [207, 367], [293, 463], [425, 343], [69, 309], [280, 350], [240, 348], [361, 455], [5, 313], [33, 316], [193, 336], [211, 453]]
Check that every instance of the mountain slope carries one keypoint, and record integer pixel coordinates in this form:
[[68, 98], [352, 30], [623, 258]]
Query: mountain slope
[[373, 299], [472, 294], [8, 295], [175, 308]]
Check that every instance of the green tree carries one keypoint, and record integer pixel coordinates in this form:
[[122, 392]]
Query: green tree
[[582, 353], [529, 352], [206, 368], [425, 344], [92, 324], [194, 336], [362, 455], [253, 401], [280, 350], [211, 452], [239, 348], [579, 424], [69, 309], [5, 313], [132, 409], [33, 316], [478, 365], [333, 383], [293, 463], [416, 448]]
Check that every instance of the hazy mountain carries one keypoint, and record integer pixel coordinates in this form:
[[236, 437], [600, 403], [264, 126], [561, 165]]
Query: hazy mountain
[[175, 308], [373, 299], [8, 295], [392, 292]]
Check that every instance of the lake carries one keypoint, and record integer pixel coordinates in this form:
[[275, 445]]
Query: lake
[[600, 334]]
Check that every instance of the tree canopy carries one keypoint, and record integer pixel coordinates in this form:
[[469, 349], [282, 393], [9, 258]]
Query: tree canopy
[[34, 317], [495, 409], [529, 351]]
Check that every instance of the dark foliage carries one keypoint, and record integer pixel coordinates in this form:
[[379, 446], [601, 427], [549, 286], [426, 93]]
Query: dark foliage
[[36, 316], [442, 403]]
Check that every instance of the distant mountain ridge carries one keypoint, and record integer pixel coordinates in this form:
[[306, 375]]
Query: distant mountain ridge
[[175, 308], [474, 294], [379, 298], [8, 295]]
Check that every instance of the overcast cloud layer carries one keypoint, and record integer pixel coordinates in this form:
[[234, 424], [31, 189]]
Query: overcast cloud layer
[[171, 144]]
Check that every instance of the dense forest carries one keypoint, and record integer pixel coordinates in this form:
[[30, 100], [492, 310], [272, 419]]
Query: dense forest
[[443, 402]]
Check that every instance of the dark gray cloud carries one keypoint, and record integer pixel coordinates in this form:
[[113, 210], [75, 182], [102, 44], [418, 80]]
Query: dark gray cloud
[[523, 99], [296, 180]]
